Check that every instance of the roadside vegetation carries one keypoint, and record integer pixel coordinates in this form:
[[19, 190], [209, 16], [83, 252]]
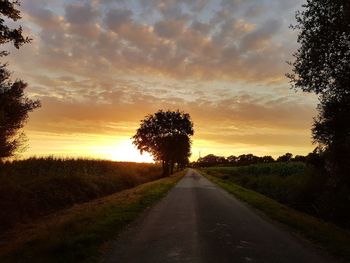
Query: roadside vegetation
[[33, 188], [327, 236], [288, 183], [302, 182], [81, 233]]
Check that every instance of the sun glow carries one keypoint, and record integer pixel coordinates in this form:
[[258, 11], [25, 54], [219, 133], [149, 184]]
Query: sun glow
[[126, 151], [116, 148]]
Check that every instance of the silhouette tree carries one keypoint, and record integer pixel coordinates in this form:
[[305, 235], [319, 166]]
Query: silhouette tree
[[322, 62], [285, 158], [14, 108], [322, 66], [9, 9], [211, 160], [332, 129], [181, 153], [14, 105], [299, 158], [247, 159], [166, 136], [266, 159], [232, 160]]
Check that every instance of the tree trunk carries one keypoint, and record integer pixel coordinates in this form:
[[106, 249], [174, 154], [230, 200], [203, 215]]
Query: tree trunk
[[171, 167], [166, 168]]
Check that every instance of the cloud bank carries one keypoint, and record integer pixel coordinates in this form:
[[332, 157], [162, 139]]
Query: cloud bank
[[100, 66]]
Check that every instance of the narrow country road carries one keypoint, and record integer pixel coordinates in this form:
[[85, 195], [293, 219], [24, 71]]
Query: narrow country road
[[199, 222]]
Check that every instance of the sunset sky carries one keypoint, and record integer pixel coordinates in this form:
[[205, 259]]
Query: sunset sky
[[100, 66]]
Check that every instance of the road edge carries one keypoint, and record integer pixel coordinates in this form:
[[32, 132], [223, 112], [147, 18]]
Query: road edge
[[310, 230]]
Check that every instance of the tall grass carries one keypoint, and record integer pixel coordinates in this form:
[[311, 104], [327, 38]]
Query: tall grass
[[289, 182], [82, 233], [280, 169], [36, 187]]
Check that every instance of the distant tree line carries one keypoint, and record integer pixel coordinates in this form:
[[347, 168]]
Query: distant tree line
[[247, 159]]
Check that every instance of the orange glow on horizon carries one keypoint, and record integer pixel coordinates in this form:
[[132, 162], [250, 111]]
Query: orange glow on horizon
[[84, 146], [97, 79], [120, 148], [126, 151]]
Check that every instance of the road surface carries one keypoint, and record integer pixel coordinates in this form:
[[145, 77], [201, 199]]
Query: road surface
[[199, 222]]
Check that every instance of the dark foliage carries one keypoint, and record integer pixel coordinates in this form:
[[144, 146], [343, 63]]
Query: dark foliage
[[14, 105], [303, 182], [14, 108], [213, 160], [286, 182], [37, 187], [322, 66], [242, 160], [332, 130], [9, 9], [166, 135], [285, 158], [322, 63]]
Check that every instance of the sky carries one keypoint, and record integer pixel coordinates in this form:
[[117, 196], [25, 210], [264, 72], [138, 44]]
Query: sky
[[101, 66]]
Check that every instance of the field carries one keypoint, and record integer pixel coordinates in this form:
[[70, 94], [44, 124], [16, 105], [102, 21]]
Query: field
[[37, 187], [82, 233], [291, 183]]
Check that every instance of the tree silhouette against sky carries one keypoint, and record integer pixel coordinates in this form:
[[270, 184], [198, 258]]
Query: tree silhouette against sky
[[166, 136], [14, 105]]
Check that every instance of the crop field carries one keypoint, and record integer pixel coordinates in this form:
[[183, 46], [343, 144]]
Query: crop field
[[290, 182], [33, 188], [84, 231]]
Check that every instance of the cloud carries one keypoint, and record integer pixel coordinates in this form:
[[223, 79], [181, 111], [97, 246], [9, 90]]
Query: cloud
[[78, 13], [176, 42], [103, 111], [44, 17], [101, 66], [261, 37], [115, 18], [169, 28]]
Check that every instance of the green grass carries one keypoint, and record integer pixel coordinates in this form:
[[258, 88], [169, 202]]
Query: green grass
[[79, 233], [32, 188], [328, 236], [282, 169], [290, 183]]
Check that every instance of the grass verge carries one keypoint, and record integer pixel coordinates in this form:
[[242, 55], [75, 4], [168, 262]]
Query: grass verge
[[37, 187], [77, 234], [327, 236]]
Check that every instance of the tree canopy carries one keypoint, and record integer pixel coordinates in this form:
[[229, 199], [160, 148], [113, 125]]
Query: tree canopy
[[9, 9], [14, 105], [322, 66], [14, 108], [285, 158], [166, 136], [243, 159], [322, 62]]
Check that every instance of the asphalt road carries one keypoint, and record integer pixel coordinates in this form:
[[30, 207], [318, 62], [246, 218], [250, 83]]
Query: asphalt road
[[199, 222]]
